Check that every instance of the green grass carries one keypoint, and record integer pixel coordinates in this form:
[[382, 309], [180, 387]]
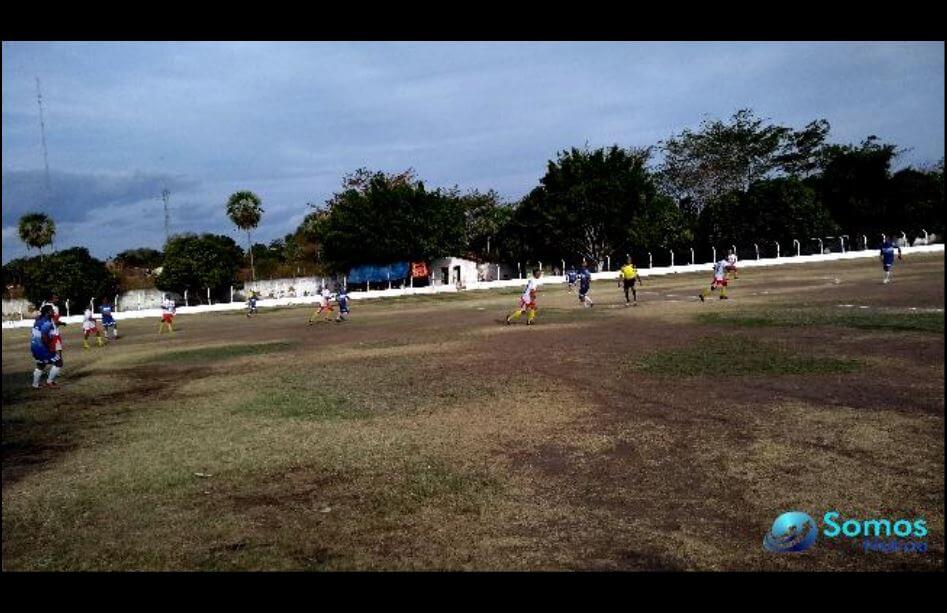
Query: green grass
[[305, 404], [734, 356], [218, 353], [862, 320]]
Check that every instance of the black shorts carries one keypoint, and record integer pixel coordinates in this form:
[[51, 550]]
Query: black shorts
[[630, 283], [41, 364]]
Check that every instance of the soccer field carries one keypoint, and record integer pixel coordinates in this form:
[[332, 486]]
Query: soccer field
[[426, 434]]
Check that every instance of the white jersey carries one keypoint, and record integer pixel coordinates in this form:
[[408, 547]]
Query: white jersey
[[720, 269], [324, 297], [88, 320], [732, 258], [531, 286], [168, 306]]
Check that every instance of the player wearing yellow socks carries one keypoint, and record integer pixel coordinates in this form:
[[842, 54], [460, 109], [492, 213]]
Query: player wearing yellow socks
[[527, 301]]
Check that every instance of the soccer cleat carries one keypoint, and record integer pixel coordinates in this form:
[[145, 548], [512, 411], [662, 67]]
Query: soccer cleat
[[701, 296], [722, 297], [529, 322], [52, 384]]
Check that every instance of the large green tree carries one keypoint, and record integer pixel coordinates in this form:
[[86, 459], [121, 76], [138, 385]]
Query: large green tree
[[780, 210], [915, 200], [143, 257], [724, 156], [592, 204], [245, 210], [36, 230], [196, 262], [380, 218], [854, 182], [71, 274]]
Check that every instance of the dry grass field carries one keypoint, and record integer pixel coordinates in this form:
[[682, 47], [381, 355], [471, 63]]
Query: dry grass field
[[424, 434]]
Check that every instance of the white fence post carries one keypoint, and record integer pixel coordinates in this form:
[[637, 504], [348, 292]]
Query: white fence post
[[672, 256], [714, 250], [841, 241], [798, 247], [116, 303], [650, 260], [208, 295], [692, 256], [67, 307], [864, 243], [608, 262], [734, 247], [926, 238], [185, 297], [563, 268], [757, 247], [777, 250]]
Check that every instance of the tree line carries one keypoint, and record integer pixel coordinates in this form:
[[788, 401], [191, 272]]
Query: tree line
[[740, 181]]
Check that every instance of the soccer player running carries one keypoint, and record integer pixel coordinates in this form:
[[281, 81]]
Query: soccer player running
[[732, 263], [343, 299], [720, 280], [251, 304], [167, 315], [527, 301], [888, 249], [571, 277], [627, 278], [89, 326], [108, 320], [585, 286], [46, 347], [325, 306]]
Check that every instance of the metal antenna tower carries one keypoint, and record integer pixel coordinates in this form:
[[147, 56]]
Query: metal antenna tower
[[42, 128], [165, 194]]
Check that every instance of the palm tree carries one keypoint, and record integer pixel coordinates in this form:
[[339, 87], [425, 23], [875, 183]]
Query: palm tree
[[37, 230], [245, 210]]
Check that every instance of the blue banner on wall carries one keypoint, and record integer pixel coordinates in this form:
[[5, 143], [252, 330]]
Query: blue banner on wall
[[368, 272]]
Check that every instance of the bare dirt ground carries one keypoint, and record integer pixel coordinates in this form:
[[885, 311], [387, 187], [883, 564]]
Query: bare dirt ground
[[426, 434]]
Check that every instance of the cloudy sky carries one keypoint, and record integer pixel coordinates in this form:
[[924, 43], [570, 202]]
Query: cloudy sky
[[287, 120]]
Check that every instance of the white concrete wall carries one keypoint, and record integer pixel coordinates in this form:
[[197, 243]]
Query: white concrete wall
[[468, 271], [16, 308], [408, 291], [138, 299], [283, 288]]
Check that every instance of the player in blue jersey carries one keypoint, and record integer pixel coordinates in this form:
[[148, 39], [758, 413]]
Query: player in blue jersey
[[888, 250], [251, 304], [571, 277], [342, 298], [585, 285], [46, 347], [108, 320]]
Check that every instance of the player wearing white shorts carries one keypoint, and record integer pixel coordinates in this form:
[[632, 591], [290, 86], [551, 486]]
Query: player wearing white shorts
[[732, 264], [720, 280], [89, 326]]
